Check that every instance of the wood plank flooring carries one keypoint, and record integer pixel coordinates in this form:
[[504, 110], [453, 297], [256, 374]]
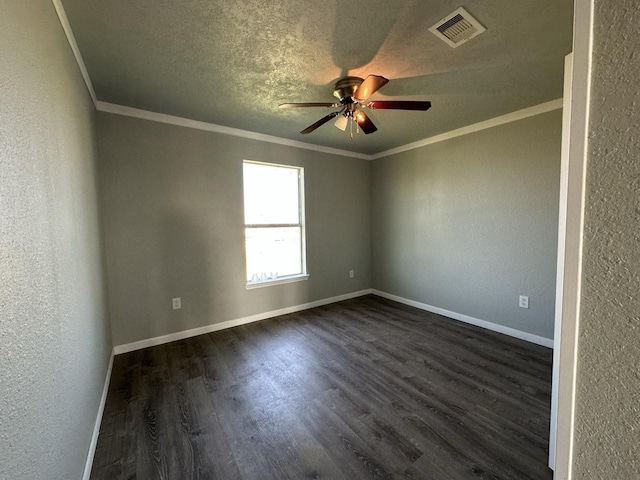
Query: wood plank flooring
[[362, 389]]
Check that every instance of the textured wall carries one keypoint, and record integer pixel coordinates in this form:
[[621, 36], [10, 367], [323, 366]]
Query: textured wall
[[469, 224], [608, 385], [174, 226], [54, 336]]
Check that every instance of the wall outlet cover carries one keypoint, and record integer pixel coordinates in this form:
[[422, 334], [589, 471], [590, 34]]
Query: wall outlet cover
[[524, 301], [177, 303]]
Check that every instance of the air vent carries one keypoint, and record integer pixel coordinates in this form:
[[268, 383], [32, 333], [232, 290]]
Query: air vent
[[457, 28]]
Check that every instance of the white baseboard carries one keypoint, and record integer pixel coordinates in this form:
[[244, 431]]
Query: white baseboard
[[96, 429], [512, 332], [172, 337]]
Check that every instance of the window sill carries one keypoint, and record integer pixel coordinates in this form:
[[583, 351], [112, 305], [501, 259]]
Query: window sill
[[279, 281]]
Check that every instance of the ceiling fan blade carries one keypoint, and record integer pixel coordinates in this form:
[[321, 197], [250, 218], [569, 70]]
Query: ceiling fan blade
[[370, 85], [320, 122], [308, 104], [365, 122], [399, 105]]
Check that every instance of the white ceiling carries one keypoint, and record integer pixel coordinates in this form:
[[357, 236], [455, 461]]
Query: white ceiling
[[231, 64]]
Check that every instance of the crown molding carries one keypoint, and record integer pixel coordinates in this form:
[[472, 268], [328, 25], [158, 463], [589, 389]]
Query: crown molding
[[64, 21], [476, 127], [212, 127]]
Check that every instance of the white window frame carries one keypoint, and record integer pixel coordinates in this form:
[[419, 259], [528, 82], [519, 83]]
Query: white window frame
[[298, 277]]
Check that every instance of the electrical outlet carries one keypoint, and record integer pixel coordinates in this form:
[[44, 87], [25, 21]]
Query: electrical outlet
[[351, 274], [177, 303], [524, 301]]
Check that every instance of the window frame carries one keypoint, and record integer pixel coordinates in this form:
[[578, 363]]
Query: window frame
[[297, 277]]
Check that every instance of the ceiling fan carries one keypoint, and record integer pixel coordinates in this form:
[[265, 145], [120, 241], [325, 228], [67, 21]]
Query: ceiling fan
[[352, 93]]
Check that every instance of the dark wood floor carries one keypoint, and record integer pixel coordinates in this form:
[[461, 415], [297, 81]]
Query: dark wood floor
[[361, 389]]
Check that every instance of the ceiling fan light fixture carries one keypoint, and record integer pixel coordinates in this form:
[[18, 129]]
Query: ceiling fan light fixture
[[341, 122]]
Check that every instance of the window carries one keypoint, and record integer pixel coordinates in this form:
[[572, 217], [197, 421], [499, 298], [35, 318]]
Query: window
[[274, 223]]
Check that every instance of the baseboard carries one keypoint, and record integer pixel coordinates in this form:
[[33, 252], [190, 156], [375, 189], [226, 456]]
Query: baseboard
[[96, 429], [172, 337], [512, 332]]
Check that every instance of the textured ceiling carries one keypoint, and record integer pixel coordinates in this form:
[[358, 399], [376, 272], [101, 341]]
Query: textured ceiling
[[232, 63]]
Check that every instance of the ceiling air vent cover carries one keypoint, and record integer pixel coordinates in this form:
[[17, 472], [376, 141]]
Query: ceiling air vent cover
[[457, 27]]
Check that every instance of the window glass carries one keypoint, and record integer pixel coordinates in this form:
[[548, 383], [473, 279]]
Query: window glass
[[274, 229], [270, 194]]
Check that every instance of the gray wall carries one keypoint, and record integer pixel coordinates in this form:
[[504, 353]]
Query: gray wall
[[607, 442], [173, 214], [470, 223], [54, 334]]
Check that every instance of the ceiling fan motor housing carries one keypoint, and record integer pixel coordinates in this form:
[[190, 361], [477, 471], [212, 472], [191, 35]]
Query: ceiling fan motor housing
[[345, 88]]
